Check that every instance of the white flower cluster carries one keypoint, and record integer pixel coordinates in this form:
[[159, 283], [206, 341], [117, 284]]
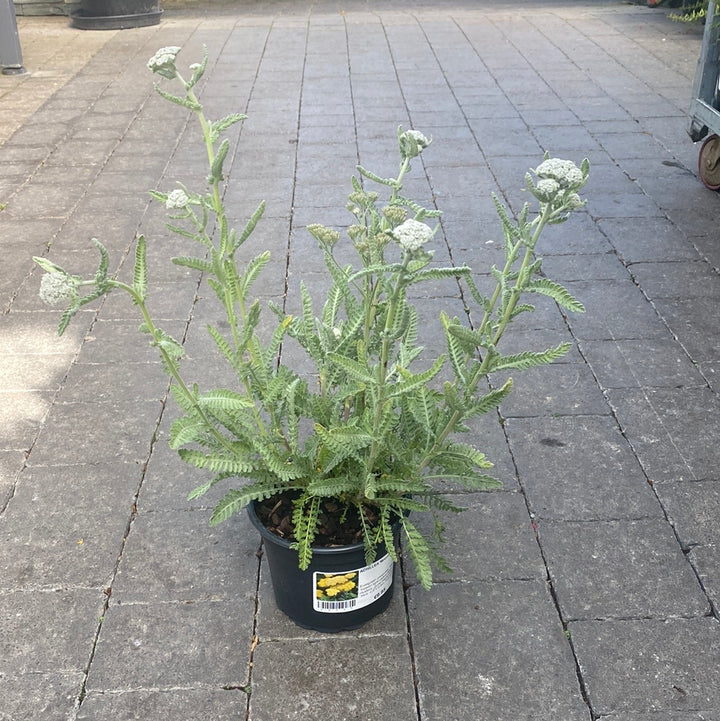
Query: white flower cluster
[[564, 172], [413, 234], [56, 288], [558, 181], [177, 199], [163, 62]]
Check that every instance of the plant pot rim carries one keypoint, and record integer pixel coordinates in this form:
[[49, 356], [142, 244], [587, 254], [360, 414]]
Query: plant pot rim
[[280, 541]]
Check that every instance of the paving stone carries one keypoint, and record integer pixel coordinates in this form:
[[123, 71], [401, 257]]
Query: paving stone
[[626, 205], [649, 665], [487, 433], [21, 372], [48, 632], [668, 430], [692, 322], [120, 341], [177, 556], [557, 389], [52, 696], [589, 266], [707, 249], [655, 238], [11, 463], [64, 526], [693, 509], [650, 362], [171, 645], [676, 279], [36, 334], [21, 417], [653, 716], [579, 468], [48, 200], [198, 704], [620, 569], [706, 561], [486, 676], [125, 432], [614, 310], [112, 382], [503, 544], [169, 480], [350, 678]]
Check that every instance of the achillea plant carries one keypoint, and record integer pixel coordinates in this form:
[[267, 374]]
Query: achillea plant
[[375, 429]]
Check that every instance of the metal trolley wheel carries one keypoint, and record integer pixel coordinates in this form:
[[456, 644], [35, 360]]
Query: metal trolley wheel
[[709, 163]]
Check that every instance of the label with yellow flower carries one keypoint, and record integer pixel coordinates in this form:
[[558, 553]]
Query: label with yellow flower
[[350, 590]]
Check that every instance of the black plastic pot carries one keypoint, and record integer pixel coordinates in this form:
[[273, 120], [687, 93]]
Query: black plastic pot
[[115, 14], [337, 592]]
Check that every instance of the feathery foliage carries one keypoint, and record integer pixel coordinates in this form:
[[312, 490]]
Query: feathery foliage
[[381, 424]]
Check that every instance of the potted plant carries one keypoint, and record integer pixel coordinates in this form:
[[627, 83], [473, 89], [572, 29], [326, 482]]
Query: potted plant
[[115, 14], [335, 465]]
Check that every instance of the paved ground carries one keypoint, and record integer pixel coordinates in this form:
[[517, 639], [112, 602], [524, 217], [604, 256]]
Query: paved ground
[[590, 586]]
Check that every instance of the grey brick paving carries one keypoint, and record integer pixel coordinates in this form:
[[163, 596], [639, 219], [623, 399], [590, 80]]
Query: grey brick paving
[[588, 588]]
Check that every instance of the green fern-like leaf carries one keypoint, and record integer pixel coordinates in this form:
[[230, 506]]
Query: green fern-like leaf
[[232, 502], [205, 487], [355, 370], [183, 232], [390, 182], [305, 520], [224, 400], [184, 102], [216, 462], [224, 347], [555, 291], [187, 261], [490, 401], [102, 271], [411, 382], [461, 455], [216, 168], [140, 270], [185, 430], [343, 440], [471, 481], [522, 308], [332, 487], [529, 359], [220, 126], [386, 533], [420, 552], [458, 351], [470, 339]]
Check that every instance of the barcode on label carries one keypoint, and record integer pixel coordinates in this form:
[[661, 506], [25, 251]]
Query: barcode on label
[[336, 605]]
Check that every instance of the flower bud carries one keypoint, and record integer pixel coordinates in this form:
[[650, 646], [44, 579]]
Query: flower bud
[[177, 199], [163, 62], [326, 236], [395, 214], [574, 201], [412, 143]]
